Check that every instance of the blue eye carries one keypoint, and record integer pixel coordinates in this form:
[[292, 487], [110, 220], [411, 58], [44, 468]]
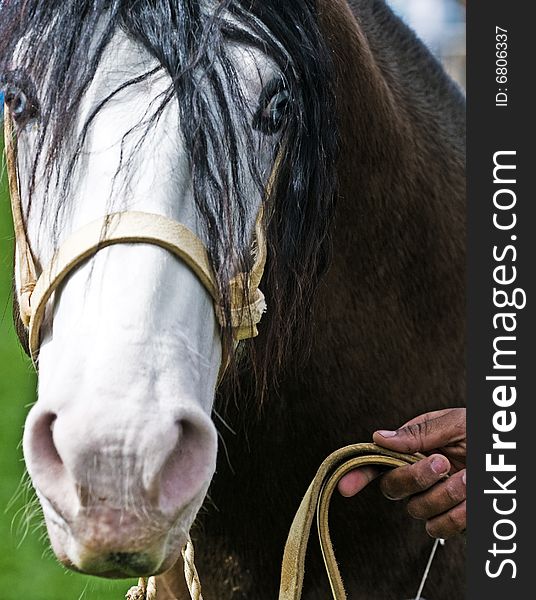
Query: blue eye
[[273, 107], [19, 96], [276, 108], [17, 102]]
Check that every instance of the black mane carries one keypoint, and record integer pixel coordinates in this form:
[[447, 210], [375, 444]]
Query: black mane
[[64, 43]]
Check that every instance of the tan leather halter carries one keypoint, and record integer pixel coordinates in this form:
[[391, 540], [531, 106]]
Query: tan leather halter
[[127, 227]]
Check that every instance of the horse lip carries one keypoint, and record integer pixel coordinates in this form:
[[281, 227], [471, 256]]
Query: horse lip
[[114, 574], [78, 551], [121, 565], [184, 511], [51, 511]]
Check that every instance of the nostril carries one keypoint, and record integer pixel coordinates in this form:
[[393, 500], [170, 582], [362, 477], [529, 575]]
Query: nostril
[[189, 466], [44, 462], [42, 447]]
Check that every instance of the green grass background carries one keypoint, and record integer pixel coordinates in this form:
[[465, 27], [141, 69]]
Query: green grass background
[[28, 569]]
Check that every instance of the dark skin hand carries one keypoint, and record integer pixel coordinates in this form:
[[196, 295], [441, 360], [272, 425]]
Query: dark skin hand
[[433, 498]]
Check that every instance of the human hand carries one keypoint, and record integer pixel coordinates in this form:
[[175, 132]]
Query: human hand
[[439, 501]]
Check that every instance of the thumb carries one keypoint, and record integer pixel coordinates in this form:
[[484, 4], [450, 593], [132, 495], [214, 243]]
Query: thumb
[[426, 434]]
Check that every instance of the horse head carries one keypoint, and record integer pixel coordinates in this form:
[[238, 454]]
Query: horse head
[[201, 113]]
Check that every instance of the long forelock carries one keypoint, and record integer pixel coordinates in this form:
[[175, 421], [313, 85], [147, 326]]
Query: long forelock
[[64, 43]]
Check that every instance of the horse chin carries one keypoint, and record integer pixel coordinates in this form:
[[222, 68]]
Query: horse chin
[[114, 543]]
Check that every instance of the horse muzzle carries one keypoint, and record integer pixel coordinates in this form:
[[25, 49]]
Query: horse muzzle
[[116, 543], [119, 500]]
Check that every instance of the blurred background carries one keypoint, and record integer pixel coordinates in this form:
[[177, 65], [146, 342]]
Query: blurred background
[[441, 24], [28, 569]]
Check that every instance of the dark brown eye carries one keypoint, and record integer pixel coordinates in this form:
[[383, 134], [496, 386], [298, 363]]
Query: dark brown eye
[[273, 107]]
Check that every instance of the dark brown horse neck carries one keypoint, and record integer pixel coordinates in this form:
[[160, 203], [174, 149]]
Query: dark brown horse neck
[[395, 293], [388, 336]]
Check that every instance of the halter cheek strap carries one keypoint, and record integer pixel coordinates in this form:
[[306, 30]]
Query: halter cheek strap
[[27, 276], [127, 227]]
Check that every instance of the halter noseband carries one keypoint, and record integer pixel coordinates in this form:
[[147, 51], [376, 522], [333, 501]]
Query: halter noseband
[[127, 227]]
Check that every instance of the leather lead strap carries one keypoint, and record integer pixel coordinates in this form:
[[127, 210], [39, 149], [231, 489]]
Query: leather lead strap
[[316, 502]]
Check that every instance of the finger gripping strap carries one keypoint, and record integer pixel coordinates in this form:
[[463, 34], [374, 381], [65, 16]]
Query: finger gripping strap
[[316, 501]]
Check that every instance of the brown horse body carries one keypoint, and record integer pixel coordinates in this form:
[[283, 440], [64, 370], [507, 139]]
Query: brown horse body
[[388, 338]]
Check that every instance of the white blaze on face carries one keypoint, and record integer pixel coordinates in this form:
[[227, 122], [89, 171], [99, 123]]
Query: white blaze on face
[[120, 444]]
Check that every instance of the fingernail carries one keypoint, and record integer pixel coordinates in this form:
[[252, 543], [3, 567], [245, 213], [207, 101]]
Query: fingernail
[[464, 478], [439, 467], [387, 434]]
